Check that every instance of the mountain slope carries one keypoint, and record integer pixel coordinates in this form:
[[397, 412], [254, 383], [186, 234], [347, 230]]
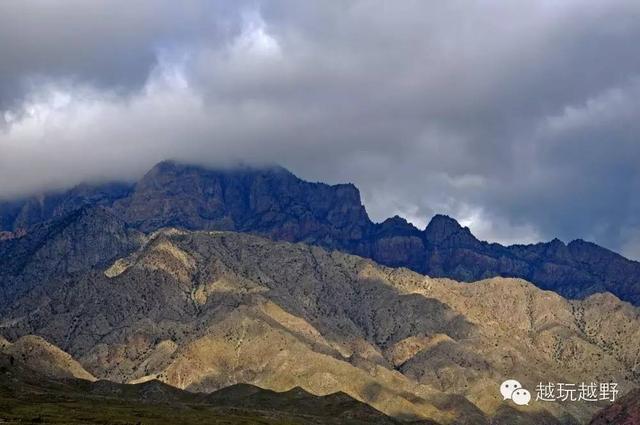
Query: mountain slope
[[205, 310], [56, 250], [37, 354], [274, 203], [21, 214], [27, 396]]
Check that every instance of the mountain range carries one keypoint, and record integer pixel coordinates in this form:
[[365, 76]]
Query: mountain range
[[274, 203], [252, 296], [204, 310]]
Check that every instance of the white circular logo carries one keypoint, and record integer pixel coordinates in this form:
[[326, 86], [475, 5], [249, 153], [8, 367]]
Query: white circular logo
[[507, 388], [521, 397]]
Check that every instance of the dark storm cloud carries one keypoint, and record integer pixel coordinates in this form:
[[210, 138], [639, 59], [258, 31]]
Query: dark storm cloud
[[518, 118], [109, 44]]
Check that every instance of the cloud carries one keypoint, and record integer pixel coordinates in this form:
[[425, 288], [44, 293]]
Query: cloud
[[519, 119]]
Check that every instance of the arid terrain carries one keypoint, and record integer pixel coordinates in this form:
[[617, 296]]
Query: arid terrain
[[203, 310], [28, 396], [284, 212]]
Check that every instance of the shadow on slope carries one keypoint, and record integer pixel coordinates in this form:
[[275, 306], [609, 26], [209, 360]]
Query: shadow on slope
[[28, 397]]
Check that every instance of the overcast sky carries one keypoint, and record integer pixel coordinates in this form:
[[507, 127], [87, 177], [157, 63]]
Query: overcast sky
[[519, 118]]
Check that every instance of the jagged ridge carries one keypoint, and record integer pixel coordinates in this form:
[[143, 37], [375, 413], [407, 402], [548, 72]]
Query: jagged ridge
[[273, 202]]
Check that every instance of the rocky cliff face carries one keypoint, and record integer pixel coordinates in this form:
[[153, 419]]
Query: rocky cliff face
[[204, 310], [274, 203]]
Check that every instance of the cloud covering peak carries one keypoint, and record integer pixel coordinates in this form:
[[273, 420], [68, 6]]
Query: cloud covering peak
[[519, 119]]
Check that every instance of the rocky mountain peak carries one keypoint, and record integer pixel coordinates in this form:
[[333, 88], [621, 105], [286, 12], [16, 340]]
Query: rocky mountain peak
[[580, 246], [443, 229], [557, 249], [396, 226]]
